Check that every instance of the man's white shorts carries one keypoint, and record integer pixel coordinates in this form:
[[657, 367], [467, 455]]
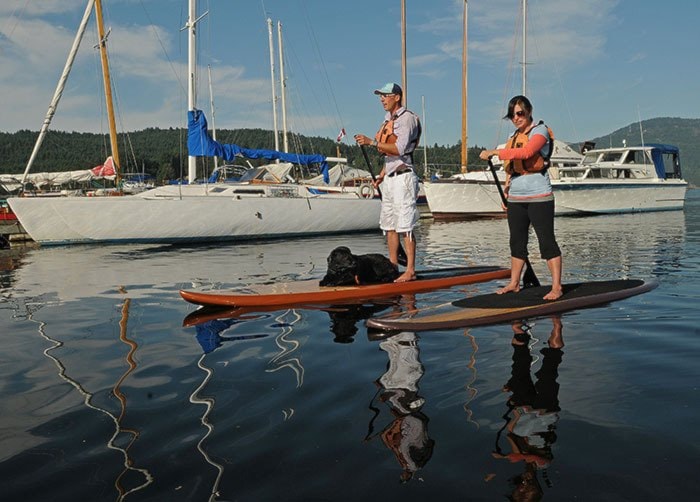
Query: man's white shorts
[[399, 195]]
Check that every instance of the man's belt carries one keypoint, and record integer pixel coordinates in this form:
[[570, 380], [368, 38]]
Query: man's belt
[[400, 171]]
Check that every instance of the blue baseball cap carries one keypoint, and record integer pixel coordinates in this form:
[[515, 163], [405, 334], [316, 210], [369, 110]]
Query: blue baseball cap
[[390, 88]]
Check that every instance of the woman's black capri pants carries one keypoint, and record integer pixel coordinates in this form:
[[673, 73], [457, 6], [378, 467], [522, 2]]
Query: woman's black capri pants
[[541, 216]]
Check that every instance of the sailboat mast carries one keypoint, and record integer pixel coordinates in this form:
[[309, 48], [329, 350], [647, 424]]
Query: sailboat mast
[[464, 90], [113, 140], [272, 81], [283, 87], [212, 111], [191, 78], [524, 64], [404, 79], [59, 89], [425, 142]]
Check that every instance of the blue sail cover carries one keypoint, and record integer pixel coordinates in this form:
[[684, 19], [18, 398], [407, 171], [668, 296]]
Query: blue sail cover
[[657, 153], [201, 144]]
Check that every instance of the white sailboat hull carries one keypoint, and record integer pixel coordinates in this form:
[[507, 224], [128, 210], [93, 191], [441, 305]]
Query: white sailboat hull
[[193, 214], [463, 198]]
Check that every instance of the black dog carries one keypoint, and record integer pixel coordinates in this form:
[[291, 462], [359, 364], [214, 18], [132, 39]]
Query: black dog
[[347, 269]]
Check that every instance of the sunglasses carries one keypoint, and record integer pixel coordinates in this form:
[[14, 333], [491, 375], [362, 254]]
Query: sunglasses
[[519, 113]]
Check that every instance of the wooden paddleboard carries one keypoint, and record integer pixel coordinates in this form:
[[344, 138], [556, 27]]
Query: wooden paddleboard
[[309, 292], [493, 308]]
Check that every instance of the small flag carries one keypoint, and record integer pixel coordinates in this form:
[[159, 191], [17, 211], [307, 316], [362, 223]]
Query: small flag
[[341, 135]]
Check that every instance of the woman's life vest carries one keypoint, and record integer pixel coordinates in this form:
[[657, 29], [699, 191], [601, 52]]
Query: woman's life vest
[[535, 164], [386, 133]]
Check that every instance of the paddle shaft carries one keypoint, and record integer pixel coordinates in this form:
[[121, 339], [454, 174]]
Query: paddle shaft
[[369, 168], [529, 277], [402, 257], [498, 183]]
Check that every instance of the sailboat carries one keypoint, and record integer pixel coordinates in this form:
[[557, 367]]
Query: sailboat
[[199, 212], [474, 194]]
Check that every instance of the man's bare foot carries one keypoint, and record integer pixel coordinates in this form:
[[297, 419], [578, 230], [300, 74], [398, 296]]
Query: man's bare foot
[[406, 276], [554, 294], [509, 288]]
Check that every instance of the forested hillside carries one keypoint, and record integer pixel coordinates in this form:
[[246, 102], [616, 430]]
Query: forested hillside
[[162, 152]]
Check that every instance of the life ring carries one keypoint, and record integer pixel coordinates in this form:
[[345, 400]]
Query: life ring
[[366, 191]]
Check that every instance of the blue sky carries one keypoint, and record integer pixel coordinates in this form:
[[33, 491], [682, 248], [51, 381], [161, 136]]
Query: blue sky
[[593, 66]]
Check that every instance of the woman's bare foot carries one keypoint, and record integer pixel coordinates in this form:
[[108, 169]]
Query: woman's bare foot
[[554, 294], [509, 288], [406, 276]]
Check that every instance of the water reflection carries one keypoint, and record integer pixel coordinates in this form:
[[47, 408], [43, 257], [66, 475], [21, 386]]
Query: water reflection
[[145, 478], [406, 434], [286, 358], [119, 394], [603, 246], [344, 319], [210, 336], [533, 406], [471, 389]]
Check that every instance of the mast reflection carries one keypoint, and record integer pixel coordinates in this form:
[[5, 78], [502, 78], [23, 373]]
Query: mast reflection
[[128, 462], [209, 335]]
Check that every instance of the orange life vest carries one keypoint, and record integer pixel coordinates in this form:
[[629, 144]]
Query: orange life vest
[[536, 163], [386, 132]]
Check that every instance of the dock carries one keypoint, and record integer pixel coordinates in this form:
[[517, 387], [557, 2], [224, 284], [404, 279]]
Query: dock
[[11, 232]]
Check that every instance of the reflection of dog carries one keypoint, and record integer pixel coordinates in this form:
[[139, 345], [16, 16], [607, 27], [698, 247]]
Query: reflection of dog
[[346, 269]]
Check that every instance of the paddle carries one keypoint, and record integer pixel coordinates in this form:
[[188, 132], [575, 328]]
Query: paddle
[[530, 279], [403, 259]]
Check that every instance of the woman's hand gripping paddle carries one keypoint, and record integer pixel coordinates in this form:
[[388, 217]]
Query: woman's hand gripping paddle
[[530, 280], [403, 259]]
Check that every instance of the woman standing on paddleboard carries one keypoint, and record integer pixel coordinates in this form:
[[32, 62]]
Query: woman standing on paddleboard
[[529, 192]]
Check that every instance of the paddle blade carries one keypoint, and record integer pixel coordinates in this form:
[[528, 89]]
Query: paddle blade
[[530, 280], [402, 257]]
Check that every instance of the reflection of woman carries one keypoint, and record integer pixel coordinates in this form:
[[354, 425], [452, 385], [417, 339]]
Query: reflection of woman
[[532, 410], [407, 435], [529, 192]]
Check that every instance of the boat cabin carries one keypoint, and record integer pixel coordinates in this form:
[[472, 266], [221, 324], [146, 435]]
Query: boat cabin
[[646, 162]]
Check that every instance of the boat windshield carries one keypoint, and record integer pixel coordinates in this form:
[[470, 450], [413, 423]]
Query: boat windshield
[[590, 158], [251, 174], [611, 157], [595, 157]]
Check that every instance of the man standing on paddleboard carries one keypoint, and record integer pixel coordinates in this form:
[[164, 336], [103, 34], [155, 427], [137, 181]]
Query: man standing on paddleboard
[[396, 140]]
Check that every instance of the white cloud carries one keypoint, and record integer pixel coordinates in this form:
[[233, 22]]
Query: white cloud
[[18, 8], [558, 32]]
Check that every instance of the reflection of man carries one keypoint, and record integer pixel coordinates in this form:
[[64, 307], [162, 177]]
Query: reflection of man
[[407, 435], [532, 410]]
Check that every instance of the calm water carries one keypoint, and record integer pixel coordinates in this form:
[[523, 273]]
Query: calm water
[[111, 390]]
